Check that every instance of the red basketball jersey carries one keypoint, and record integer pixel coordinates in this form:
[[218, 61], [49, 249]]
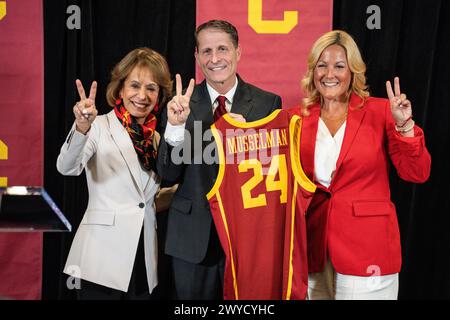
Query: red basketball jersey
[[258, 203]]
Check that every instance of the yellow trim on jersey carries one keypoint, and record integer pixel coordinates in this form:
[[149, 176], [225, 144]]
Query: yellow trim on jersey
[[225, 223], [295, 127], [221, 172], [291, 245], [302, 179], [251, 124]]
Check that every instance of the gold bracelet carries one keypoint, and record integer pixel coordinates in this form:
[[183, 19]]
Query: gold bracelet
[[405, 128]]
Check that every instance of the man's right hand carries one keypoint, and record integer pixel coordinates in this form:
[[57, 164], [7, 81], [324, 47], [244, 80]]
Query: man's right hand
[[178, 108]]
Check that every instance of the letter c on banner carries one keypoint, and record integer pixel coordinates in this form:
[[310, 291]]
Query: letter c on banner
[[270, 27], [2, 9], [3, 156]]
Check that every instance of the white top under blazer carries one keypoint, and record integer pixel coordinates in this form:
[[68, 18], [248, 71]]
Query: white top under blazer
[[327, 152]]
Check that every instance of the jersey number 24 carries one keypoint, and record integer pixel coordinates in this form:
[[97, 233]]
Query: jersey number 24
[[277, 165]]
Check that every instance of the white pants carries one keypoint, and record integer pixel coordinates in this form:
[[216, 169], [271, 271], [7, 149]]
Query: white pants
[[330, 285]]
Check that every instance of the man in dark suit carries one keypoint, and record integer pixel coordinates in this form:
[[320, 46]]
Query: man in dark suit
[[192, 241]]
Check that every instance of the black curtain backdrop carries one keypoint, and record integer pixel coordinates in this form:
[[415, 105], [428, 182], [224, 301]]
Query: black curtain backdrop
[[413, 43]]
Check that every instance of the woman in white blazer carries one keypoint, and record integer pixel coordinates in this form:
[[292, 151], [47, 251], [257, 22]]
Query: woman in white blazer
[[114, 251]]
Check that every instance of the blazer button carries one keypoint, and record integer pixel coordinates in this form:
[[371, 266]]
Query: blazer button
[[141, 205]]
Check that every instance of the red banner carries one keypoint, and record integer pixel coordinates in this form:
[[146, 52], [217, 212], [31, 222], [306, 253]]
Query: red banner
[[275, 37], [21, 136]]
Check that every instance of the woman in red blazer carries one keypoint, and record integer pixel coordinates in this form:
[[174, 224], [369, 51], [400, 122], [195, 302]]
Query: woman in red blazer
[[348, 142]]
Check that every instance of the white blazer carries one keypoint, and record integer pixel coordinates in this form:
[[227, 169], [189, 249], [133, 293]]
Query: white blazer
[[121, 198]]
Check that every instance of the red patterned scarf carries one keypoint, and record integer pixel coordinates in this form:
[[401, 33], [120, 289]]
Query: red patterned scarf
[[141, 134]]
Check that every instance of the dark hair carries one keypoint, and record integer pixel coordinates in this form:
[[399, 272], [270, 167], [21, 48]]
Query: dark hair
[[221, 25]]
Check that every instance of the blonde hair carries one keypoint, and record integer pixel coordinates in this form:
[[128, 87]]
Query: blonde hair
[[146, 58], [355, 63]]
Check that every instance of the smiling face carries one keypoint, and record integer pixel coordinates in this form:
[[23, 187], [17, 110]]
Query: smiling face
[[139, 93], [332, 75], [218, 58]]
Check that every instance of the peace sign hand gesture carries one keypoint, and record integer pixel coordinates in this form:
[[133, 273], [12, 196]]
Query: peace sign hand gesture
[[400, 106], [84, 110], [178, 108]]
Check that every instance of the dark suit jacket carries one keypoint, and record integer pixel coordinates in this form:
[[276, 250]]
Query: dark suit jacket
[[190, 221]]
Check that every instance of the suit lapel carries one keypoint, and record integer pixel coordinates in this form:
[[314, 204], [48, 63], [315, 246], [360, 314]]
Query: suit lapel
[[201, 106], [123, 142], [308, 140], [309, 133], [354, 119], [242, 99], [201, 110]]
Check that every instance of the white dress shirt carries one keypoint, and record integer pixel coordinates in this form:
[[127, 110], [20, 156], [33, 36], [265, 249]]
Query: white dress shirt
[[327, 152], [174, 135]]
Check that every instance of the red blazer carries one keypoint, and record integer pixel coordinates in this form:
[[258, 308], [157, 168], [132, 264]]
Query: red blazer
[[354, 220]]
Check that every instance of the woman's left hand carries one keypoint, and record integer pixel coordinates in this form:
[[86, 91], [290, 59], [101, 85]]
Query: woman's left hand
[[400, 106]]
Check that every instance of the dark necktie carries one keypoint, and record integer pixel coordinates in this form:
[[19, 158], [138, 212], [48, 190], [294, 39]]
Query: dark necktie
[[220, 110]]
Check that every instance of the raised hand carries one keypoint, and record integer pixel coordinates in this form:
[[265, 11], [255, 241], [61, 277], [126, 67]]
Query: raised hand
[[400, 106], [84, 110], [178, 108]]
